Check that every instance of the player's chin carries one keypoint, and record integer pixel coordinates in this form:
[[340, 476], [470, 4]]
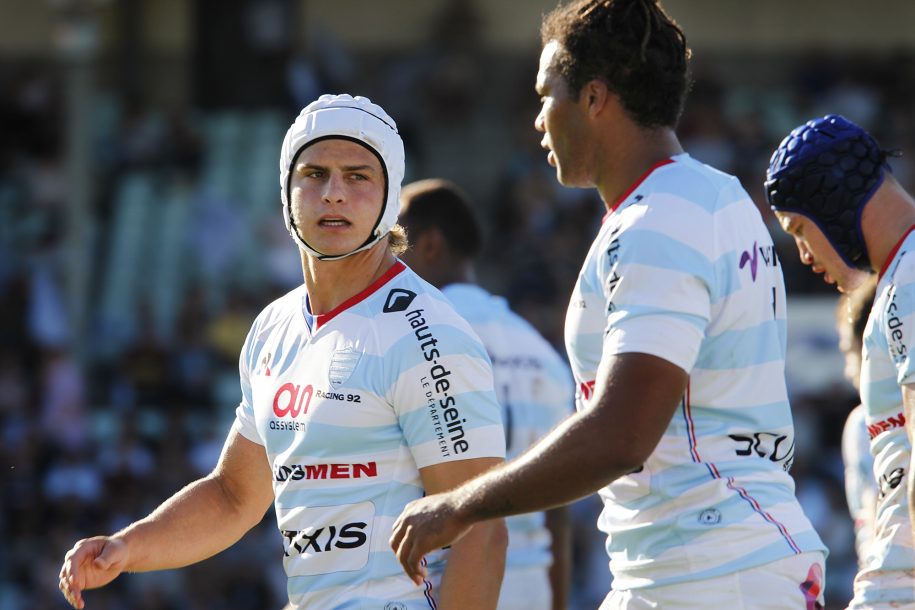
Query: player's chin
[[570, 181]]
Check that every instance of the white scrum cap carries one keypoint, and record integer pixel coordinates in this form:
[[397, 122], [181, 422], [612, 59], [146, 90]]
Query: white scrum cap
[[352, 118]]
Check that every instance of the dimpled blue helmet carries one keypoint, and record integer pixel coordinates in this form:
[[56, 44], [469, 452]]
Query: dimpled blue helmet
[[828, 169]]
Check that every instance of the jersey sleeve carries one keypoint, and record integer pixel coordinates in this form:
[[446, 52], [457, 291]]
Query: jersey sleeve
[[658, 293], [443, 394], [244, 413]]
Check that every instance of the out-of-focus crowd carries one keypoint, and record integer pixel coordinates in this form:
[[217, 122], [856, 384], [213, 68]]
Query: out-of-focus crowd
[[103, 417]]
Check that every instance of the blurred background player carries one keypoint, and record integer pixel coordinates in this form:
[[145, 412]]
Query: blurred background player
[[361, 390], [832, 190], [533, 382], [676, 336], [860, 485]]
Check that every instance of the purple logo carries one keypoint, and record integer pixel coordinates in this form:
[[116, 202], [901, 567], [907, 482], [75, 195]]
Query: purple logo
[[746, 257]]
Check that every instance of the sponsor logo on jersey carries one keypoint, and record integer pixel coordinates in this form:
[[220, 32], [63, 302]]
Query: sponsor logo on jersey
[[752, 255], [891, 422], [890, 481], [447, 422], [775, 447], [898, 349], [342, 364], [298, 472], [325, 538], [710, 516], [398, 300], [292, 400]]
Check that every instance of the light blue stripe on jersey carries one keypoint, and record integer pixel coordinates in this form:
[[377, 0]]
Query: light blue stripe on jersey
[[412, 422], [359, 584], [763, 339], [633, 311], [326, 439], [658, 250], [885, 392], [713, 420], [396, 496]]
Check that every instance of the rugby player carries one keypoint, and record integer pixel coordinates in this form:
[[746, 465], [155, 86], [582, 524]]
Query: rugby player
[[832, 190], [533, 382], [361, 390], [676, 335]]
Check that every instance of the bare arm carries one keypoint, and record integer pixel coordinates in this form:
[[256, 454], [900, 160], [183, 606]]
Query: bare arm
[[476, 564], [908, 409], [557, 522], [635, 398], [204, 518]]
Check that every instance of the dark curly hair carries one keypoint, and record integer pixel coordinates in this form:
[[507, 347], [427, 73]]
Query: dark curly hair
[[631, 45]]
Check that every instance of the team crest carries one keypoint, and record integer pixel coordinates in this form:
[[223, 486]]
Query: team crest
[[342, 364]]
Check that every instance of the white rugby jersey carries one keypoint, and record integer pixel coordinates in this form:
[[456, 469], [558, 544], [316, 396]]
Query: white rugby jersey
[[886, 574], [860, 484], [534, 386], [391, 381], [683, 268]]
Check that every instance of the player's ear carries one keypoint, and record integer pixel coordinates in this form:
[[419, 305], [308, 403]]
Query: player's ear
[[594, 96]]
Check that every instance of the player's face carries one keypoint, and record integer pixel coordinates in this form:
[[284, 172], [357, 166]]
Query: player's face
[[337, 189], [815, 250], [561, 122]]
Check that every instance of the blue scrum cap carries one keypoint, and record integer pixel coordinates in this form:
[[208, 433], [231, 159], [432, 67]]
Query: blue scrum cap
[[828, 169]]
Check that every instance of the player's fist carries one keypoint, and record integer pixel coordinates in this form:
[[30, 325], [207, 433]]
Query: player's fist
[[425, 525], [91, 563]]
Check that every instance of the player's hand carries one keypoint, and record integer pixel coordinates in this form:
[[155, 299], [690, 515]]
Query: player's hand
[[91, 563], [425, 525]]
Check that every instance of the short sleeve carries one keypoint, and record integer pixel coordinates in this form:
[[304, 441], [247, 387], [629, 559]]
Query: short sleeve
[[244, 413], [443, 394]]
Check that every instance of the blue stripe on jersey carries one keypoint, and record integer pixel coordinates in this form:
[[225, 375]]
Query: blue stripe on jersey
[[361, 583], [330, 440], [396, 495], [749, 417], [735, 345], [727, 279], [634, 311], [415, 423], [659, 250], [885, 392], [402, 355]]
